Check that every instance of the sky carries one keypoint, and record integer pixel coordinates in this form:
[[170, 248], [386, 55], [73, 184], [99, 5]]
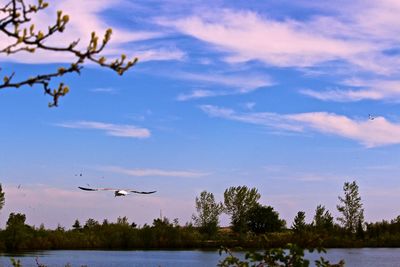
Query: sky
[[294, 98]]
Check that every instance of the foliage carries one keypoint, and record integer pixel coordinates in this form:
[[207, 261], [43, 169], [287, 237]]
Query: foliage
[[17, 233], [299, 222], [208, 211], [350, 207], [263, 219], [77, 225], [2, 198], [15, 263], [22, 36], [238, 201], [168, 234], [323, 220], [291, 256]]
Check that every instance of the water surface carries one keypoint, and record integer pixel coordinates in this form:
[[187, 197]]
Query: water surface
[[365, 257]]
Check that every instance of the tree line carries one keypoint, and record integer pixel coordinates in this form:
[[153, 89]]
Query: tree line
[[252, 225]]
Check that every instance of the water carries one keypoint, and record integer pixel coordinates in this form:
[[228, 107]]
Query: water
[[365, 257]]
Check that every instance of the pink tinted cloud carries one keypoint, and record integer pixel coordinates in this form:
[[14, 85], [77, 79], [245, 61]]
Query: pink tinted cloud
[[51, 206], [249, 36], [370, 133], [368, 90], [119, 130]]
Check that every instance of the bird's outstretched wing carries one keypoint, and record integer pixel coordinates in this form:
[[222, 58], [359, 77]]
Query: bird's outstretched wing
[[96, 189], [141, 192]]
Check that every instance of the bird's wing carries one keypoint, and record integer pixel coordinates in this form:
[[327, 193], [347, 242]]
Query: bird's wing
[[96, 189], [141, 192]]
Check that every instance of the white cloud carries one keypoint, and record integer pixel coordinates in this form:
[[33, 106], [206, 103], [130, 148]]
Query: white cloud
[[160, 54], [119, 130], [248, 36], [153, 172], [228, 84], [195, 94], [105, 90], [358, 34], [369, 90], [370, 133]]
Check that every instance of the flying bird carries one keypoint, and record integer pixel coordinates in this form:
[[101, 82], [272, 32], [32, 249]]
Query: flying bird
[[117, 192], [370, 117]]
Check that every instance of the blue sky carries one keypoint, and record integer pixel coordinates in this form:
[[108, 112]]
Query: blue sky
[[269, 94]]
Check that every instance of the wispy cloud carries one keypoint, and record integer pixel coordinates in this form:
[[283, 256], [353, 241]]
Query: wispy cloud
[[367, 90], [248, 36], [105, 90], [227, 84], [119, 130], [153, 172], [358, 34], [370, 133]]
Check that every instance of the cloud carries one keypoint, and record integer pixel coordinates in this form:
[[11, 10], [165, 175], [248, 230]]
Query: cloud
[[56, 205], [195, 94], [153, 172], [368, 90], [119, 130], [160, 54], [105, 90], [248, 36], [370, 133], [358, 34], [228, 84]]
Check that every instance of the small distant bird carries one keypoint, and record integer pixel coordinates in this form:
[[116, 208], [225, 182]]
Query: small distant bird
[[370, 117], [19, 186], [117, 192]]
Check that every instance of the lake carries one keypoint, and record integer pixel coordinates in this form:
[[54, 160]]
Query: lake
[[365, 257]]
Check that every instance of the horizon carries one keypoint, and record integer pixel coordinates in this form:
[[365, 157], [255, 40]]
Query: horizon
[[293, 99]]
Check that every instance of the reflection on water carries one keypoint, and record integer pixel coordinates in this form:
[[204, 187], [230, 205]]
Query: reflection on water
[[366, 257]]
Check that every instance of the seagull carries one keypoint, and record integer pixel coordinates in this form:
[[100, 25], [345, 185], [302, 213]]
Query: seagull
[[370, 117], [117, 192]]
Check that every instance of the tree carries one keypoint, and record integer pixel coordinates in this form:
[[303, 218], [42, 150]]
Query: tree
[[350, 207], [77, 225], [238, 201], [91, 223], [299, 222], [22, 36], [323, 220], [2, 198], [122, 221], [208, 211], [16, 233], [263, 219]]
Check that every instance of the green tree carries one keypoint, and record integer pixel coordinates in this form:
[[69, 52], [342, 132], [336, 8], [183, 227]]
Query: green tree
[[17, 232], [91, 223], [299, 222], [350, 207], [77, 225], [323, 220], [208, 212], [2, 198], [122, 221], [263, 219], [238, 201], [21, 35]]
